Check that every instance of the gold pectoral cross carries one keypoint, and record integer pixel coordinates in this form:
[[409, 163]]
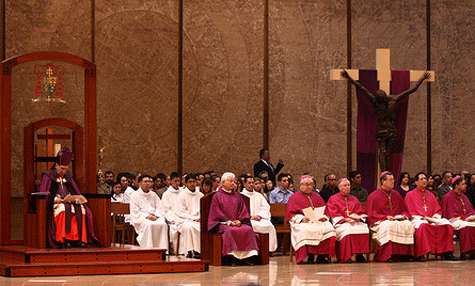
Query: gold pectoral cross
[[347, 208]]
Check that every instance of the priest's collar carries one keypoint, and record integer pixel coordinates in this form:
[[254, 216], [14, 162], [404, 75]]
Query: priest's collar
[[145, 193], [190, 191], [226, 191], [173, 190]]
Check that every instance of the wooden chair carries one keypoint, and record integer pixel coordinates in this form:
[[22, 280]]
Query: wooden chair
[[211, 243], [280, 210], [36, 205], [118, 211]]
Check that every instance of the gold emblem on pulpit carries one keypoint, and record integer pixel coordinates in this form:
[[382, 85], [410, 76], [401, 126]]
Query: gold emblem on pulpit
[[49, 85]]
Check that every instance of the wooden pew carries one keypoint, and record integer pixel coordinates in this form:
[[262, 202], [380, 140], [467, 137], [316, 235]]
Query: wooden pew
[[280, 210]]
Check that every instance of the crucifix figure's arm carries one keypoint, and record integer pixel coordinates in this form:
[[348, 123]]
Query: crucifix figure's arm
[[368, 93], [402, 95]]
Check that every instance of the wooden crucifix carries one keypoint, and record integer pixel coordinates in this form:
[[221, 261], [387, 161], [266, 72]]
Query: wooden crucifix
[[384, 103]]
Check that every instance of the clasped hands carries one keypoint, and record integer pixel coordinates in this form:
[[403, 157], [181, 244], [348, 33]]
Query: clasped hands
[[307, 220], [256, 217], [469, 218], [352, 218], [234, 222], [152, 217], [397, 217]]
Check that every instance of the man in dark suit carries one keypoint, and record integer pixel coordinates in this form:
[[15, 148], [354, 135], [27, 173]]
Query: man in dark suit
[[264, 164]]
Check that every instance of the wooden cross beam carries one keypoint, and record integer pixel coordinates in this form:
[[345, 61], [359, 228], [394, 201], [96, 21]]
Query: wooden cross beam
[[383, 68]]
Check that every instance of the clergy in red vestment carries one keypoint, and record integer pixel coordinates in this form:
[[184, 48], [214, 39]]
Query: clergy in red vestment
[[388, 220], [349, 220], [69, 219], [311, 235], [434, 234], [456, 207], [228, 215]]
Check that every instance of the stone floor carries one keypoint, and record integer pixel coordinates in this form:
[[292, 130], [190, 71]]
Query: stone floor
[[281, 272]]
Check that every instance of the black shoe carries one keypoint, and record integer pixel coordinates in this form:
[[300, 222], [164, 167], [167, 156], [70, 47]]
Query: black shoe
[[82, 245], [322, 259], [449, 256], [421, 258], [249, 261], [360, 258], [310, 259], [189, 254], [67, 245], [196, 255]]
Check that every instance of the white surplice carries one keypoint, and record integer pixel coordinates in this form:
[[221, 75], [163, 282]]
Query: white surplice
[[309, 233], [151, 234], [169, 207], [260, 207], [127, 193], [189, 211]]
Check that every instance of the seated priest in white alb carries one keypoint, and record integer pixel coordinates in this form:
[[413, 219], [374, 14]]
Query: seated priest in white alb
[[168, 207], [349, 220], [189, 212], [145, 216], [260, 212], [311, 232]]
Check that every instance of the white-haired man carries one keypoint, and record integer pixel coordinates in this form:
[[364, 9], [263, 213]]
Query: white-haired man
[[349, 220], [228, 215]]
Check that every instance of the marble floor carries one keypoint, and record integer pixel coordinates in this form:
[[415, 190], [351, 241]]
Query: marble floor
[[281, 272]]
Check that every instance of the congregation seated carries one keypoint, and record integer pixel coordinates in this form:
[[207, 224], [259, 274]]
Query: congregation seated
[[389, 221], [117, 194], [403, 186], [349, 220], [445, 186], [357, 189], [69, 219], [260, 212], [228, 216], [329, 188], [145, 216], [309, 237], [281, 193]]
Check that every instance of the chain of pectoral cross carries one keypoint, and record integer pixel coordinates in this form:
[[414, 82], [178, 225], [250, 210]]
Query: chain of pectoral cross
[[310, 201], [347, 208], [424, 202], [389, 201], [464, 209]]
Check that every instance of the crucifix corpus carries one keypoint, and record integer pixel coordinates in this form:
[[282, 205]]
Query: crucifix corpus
[[383, 102]]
